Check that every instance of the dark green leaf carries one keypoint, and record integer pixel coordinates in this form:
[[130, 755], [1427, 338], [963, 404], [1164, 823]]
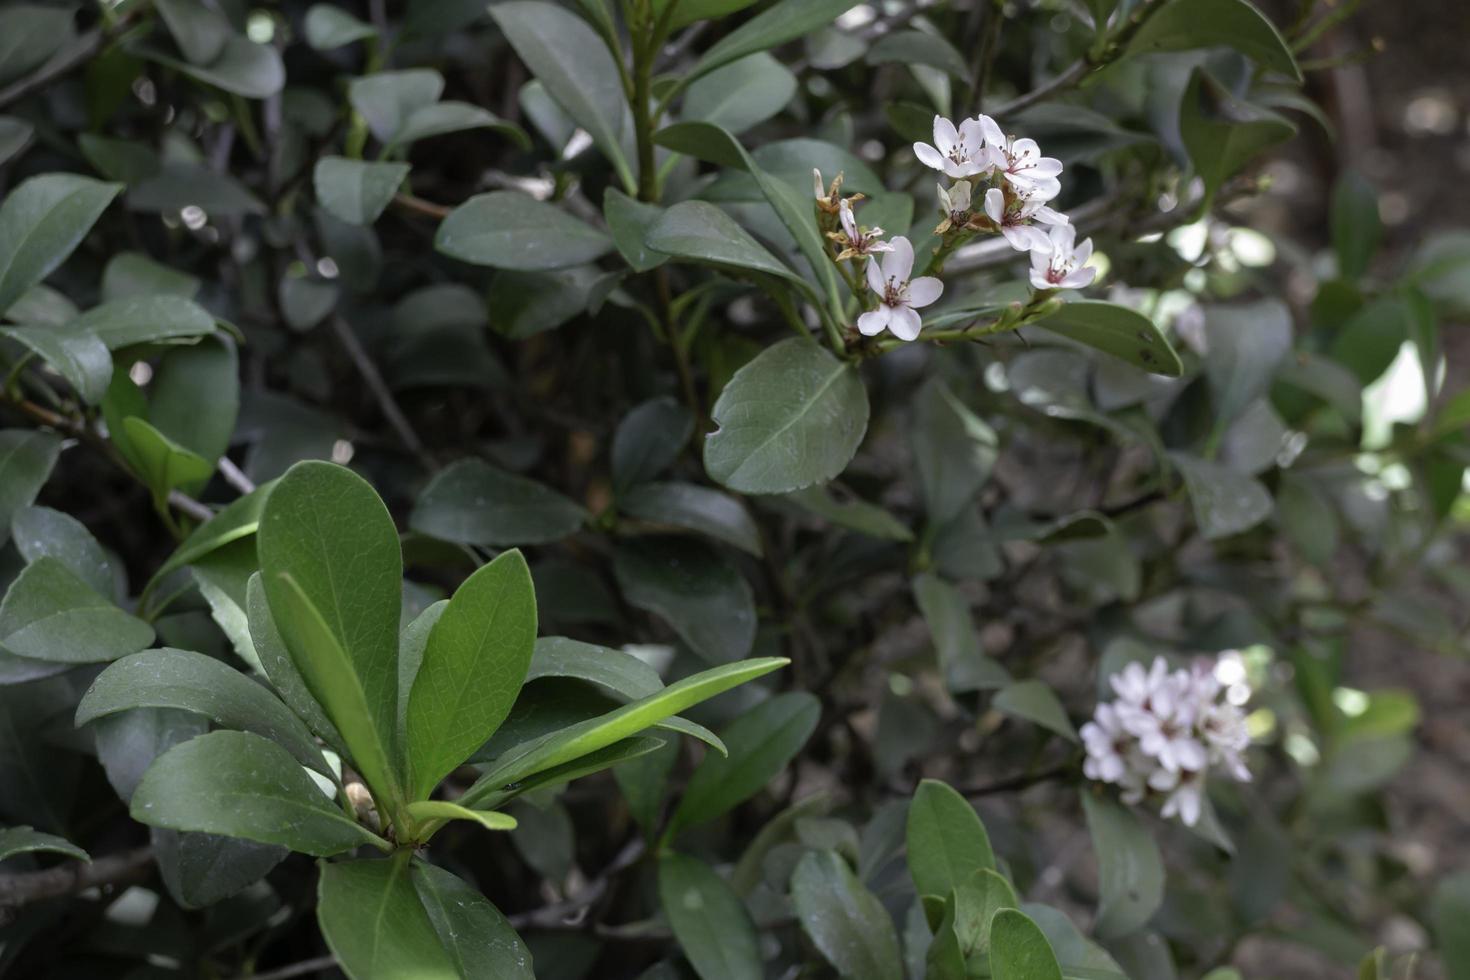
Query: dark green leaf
[[276, 663], [1183, 25], [376, 925], [30, 34], [354, 190], [241, 785], [50, 614], [851, 513], [509, 230], [844, 920], [1035, 702], [1130, 870], [24, 840], [693, 588], [1225, 501], [146, 320], [629, 221], [1356, 226], [953, 448], [329, 27], [42, 220], [919, 48], [687, 505], [199, 30], [1449, 910], [76, 354], [792, 417], [242, 68], [648, 440], [454, 117], [1117, 330], [740, 95], [1222, 133], [387, 98], [709, 921], [40, 532], [701, 232], [964, 665], [472, 502], [1246, 344], [783, 22], [478, 939]]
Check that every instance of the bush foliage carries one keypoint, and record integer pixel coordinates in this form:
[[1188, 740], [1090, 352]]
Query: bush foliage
[[554, 490]]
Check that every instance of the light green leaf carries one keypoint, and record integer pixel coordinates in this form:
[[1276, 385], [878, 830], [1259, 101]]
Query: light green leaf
[[1117, 330], [146, 320], [740, 95], [697, 508], [24, 840], [1035, 702], [332, 571], [77, 355], [597, 733], [354, 190], [844, 920], [329, 26], [444, 810], [41, 221], [792, 417], [241, 785], [709, 921], [163, 464], [238, 520], [701, 232], [694, 588], [1225, 501], [187, 681], [783, 22], [26, 459], [761, 742], [474, 664], [472, 502], [1130, 870], [510, 230], [648, 440], [1184, 25], [51, 614], [574, 65], [1019, 950], [476, 936], [947, 843], [376, 925]]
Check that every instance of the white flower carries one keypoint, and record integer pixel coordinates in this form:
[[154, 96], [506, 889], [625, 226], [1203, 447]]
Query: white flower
[[958, 152], [856, 241], [898, 297], [1065, 267], [955, 203], [1186, 795], [1014, 219], [819, 190], [1021, 161], [1107, 744]]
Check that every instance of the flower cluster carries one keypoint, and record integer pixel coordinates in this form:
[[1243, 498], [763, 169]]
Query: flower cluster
[[1164, 733], [1018, 183]]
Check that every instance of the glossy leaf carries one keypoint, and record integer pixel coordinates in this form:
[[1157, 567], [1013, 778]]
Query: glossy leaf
[[41, 532], [629, 220], [26, 840], [509, 230], [478, 939], [41, 221], [700, 232], [697, 508], [241, 785], [843, 919], [709, 921], [947, 843], [236, 521], [76, 354], [473, 666], [792, 417], [1117, 330], [51, 614], [472, 502], [155, 319], [376, 925], [445, 810], [1019, 949]]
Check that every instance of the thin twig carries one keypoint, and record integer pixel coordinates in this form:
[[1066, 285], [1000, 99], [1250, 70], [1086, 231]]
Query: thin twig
[[234, 476], [381, 392], [417, 204], [23, 888], [1061, 83]]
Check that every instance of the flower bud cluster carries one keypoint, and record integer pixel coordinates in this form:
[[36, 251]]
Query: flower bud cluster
[[1164, 733]]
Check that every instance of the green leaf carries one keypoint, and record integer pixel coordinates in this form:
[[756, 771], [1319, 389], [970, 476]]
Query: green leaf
[[387, 98], [963, 933], [41, 532], [1130, 869], [918, 48], [243, 67], [1356, 227], [1222, 133], [709, 921], [354, 190], [760, 742], [187, 681], [851, 513], [692, 587], [24, 840], [194, 397], [241, 785], [954, 451], [574, 65], [199, 30], [472, 502], [1225, 501], [701, 232], [688, 505], [444, 810], [1247, 343], [332, 571], [154, 319], [77, 355], [50, 614], [275, 661], [964, 666], [690, 11], [329, 26], [648, 440], [474, 664], [629, 220], [597, 733], [1117, 330], [236, 521], [1184, 25], [792, 417], [786, 21], [476, 936], [1036, 702], [163, 464], [453, 117], [843, 919], [373, 921], [182, 185], [1019, 950], [1449, 910], [740, 95], [510, 230], [41, 221], [947, 843], [135, 274], [30, 34]]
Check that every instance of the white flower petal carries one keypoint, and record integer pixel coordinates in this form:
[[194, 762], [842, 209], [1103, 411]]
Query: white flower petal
[[1078, 278], [972, 137], [905, 324], [875, 277], [990, 129], [873, 323], [923, 291], [945, 135], [1038, 274], [995, 205], [900, 262], [929, 156], [817, 187]]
